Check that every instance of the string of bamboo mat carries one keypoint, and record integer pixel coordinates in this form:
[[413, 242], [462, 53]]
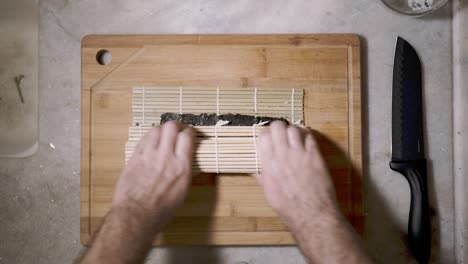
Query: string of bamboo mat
[[219, 149]]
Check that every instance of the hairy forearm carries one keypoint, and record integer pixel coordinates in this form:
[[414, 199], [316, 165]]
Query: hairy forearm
[[328, 238], [152, 186], [122, 238]]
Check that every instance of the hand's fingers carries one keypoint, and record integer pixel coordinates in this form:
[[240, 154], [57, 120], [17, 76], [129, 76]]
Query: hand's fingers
[[265, 146], [180, 185], [178, 191], [313, 147], [265, 131], [265, 149], [310, 143], [154, 136], [169, 134], [274, 193], [185, 143], [279, 134], [148, 141], [139, 149], [295, 137]]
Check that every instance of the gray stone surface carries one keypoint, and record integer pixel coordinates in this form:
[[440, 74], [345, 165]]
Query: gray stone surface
[[40, 195], [460, 126], [19, 31]]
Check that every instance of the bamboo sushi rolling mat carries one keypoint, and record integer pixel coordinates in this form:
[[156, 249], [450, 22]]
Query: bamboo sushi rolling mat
[[219, 149]]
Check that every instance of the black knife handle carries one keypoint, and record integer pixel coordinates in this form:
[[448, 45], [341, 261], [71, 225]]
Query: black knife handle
[[419, 223]]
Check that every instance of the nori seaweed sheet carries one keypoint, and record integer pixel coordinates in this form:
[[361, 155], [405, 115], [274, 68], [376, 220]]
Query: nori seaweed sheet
[[206, 119]]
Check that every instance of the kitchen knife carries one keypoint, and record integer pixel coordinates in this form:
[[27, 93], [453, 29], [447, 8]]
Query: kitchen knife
[[408, 145]]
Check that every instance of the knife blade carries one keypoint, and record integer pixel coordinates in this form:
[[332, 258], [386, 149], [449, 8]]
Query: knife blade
[[408, 144]]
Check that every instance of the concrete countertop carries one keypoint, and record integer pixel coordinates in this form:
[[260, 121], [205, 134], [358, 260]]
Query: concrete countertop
[[460, 126], [40, 194]]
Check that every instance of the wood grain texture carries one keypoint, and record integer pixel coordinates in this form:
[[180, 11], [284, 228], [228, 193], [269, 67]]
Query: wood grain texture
[[220, 209]]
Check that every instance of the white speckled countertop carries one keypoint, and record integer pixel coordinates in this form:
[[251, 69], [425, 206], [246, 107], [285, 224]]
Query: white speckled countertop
[[44, 188]]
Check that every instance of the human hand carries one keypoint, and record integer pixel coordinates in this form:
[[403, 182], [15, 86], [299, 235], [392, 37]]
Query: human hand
[[155, 181], [294, 176]]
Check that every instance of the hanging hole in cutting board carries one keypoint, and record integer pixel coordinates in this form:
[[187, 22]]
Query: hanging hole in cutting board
[[104, 57]]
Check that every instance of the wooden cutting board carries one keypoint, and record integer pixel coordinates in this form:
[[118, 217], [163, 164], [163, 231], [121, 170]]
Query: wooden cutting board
[[220, 209]]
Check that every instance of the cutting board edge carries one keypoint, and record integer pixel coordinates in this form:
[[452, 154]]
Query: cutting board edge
[[139, 40], [356, 150]]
